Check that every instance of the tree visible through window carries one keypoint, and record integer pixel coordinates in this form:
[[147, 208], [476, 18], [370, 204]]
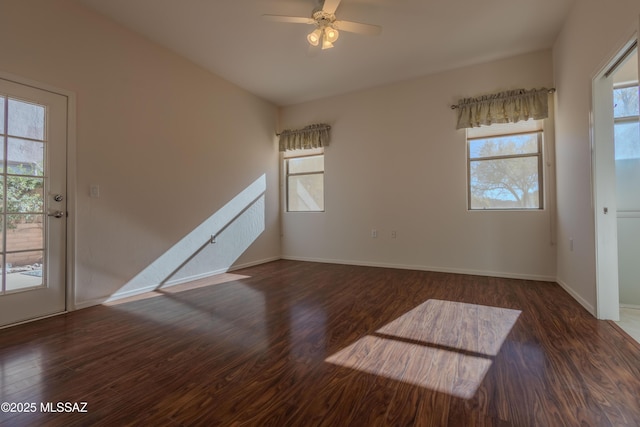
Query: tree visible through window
[[627, 127], [505, 171]]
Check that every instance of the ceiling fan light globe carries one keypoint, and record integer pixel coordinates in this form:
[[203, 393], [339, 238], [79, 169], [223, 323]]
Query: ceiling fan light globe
[[314, 37], [332, 34], [326, 44]]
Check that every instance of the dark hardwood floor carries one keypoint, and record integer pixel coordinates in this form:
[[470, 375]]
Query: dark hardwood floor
[[305, 344]]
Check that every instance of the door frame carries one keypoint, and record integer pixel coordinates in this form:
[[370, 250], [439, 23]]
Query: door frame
[[602, 175], [70, 270]]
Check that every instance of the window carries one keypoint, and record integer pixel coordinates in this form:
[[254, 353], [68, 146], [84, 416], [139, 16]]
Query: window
[[627, 126], [305, 181], [505, 166]]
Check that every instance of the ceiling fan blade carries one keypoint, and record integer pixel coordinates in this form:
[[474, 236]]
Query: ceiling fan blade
[[291, 19], [357, 27], [330, 6]]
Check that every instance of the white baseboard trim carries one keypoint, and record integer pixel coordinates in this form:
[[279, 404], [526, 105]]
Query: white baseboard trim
[[633, 306], [121, 295], [88, 303], [253, 263], [539, 278], [590, 308]]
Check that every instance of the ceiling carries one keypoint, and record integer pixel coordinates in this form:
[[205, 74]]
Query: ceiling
[[271, 59]]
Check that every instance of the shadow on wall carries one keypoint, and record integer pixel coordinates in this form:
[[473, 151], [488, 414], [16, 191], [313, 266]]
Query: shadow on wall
[[210, 248]]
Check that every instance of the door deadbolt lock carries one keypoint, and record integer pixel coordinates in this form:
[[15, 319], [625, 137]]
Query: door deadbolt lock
[[58, 197], [56, 214]]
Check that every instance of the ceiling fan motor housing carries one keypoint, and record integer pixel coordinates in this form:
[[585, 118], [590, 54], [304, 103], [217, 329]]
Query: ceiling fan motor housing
[[323, 19]]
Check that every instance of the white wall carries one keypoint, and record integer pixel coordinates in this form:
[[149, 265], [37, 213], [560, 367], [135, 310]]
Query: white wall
[[169, 143], [396, 162], [591, 34]]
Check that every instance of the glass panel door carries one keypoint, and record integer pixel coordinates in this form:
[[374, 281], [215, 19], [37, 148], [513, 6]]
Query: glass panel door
[[33, 147]]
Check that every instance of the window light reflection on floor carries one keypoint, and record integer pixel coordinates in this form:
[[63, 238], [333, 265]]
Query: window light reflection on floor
[[440, 345]]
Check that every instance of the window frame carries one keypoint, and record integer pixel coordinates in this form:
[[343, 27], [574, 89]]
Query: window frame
[[287, 174], [539, 131]]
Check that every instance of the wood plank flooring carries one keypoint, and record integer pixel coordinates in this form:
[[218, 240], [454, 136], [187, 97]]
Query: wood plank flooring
[[305, 344]]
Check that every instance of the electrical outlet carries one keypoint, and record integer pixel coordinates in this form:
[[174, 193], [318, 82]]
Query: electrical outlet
[[374, 234], [394, 234]]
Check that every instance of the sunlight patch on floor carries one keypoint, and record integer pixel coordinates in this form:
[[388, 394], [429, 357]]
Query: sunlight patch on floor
[[440, 345]]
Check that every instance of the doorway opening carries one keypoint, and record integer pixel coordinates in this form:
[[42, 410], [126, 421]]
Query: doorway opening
[[626, 117], [615, 141]]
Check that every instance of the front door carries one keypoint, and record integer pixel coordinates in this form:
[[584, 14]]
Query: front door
[[33, 212]]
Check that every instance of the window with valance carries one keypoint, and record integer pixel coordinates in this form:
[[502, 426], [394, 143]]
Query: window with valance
[[505, 145], [503, 107], [312, 136]]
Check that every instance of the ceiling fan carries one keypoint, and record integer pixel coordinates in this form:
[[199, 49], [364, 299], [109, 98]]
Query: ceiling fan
[[327, 26]]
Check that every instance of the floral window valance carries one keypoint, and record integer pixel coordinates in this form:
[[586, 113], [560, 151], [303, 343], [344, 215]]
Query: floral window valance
[[312, 136], [504, 107]]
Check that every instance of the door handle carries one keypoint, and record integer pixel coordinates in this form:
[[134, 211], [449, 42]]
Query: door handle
[[56, 214]]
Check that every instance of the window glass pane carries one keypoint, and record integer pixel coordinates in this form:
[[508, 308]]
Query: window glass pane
[[625, 102], [26, 120], [306, 192], [25, 232], [24, 194], [505, 184], [2, 155], [306, 164], [25, 157], [2, 101], [24, 270], [627, 140], [504, 146]]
